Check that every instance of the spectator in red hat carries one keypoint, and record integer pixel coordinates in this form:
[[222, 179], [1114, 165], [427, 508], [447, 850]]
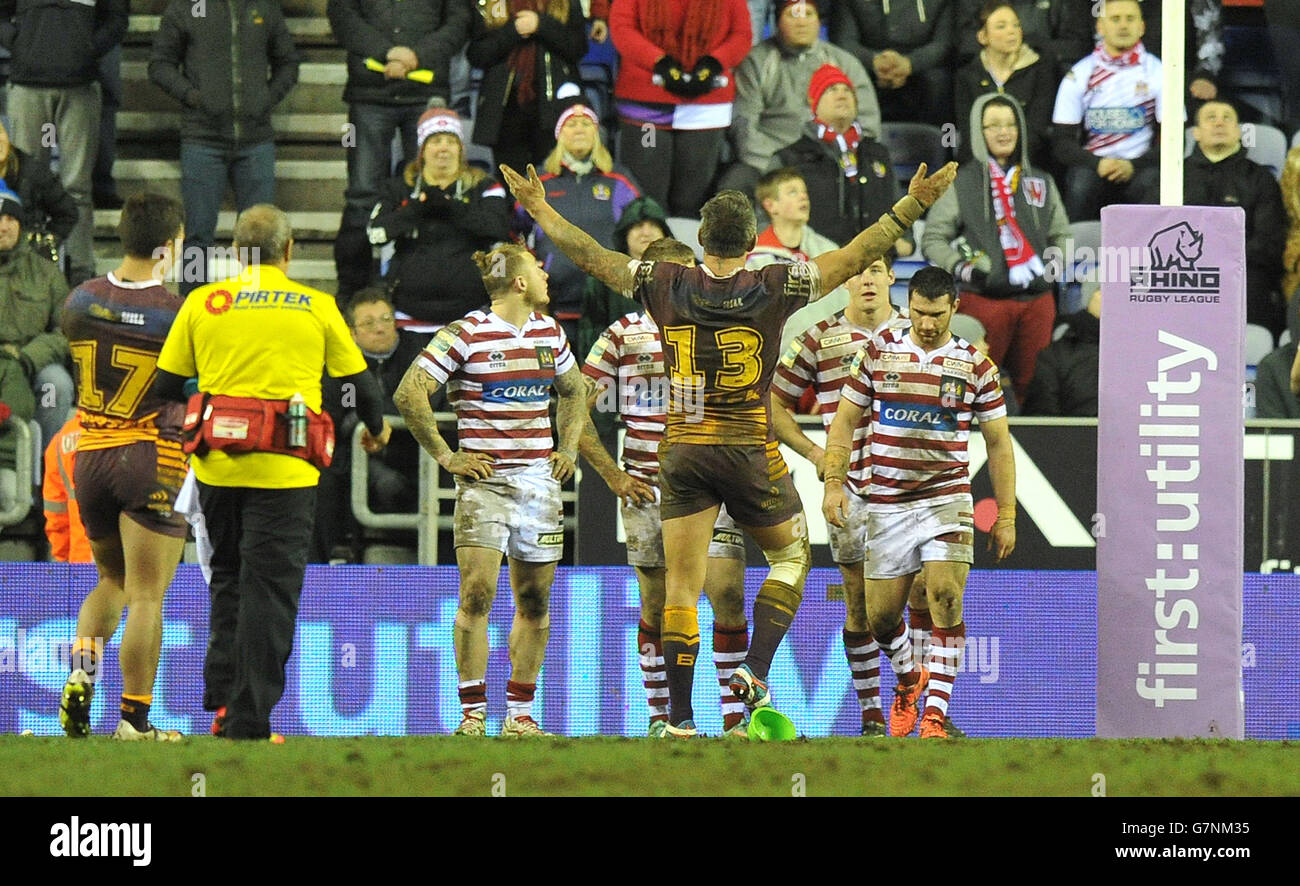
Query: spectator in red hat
[[849, 175], [675, 90], [772, 92], [583, 182], [528, 50], [438, 212]]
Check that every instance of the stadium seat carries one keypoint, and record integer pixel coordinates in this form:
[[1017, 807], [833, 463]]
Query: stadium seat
[[687, 230], [1086, 235], [911, 144], [1259, 343], [1295, 139], [1267, 147]]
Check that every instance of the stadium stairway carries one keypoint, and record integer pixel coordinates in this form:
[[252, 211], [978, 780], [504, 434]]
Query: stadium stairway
[[311, 171]]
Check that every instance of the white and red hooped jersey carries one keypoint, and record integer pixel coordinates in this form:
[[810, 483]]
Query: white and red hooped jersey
[[499, 381], [1118, 105], [627, 361], [819, 358], [921, 405]]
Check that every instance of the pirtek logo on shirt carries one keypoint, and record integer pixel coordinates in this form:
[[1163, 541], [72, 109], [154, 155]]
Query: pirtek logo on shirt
[[221, 300]]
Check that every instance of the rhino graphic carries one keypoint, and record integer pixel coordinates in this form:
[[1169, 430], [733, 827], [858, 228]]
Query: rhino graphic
[[1177, 247]]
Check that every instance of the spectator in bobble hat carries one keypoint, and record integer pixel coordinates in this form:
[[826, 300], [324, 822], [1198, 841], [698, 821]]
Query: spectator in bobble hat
[[675, 90], [438, 212], [582, 178]]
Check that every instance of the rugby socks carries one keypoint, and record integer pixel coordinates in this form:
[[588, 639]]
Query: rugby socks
[[730, 646], [897, 646], [519, 699], [864, 663], [473, 697], [681, 639], [921, 625], [85, 656], [135, 710], [773, 612], [945, 657], [651, 648]]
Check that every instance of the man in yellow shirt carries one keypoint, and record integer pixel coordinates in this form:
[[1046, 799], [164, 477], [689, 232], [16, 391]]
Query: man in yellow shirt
[[258, 344]]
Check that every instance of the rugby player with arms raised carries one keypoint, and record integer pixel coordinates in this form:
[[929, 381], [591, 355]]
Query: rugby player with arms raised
[[721, 326]]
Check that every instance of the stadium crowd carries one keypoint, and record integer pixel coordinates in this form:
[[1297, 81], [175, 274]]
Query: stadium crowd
[[816, 110], [797, 103]]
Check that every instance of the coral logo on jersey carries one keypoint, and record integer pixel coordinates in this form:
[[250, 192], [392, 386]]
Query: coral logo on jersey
[[218, 301], [545, 357], [918, 416], [524, 390]]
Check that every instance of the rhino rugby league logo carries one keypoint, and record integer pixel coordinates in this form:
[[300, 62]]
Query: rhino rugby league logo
[[1173, 264]]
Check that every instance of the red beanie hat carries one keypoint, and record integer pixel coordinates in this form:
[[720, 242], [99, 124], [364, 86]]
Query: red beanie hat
[[823, 79]]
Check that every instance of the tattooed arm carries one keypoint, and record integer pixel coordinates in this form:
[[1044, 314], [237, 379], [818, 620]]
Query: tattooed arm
[[571, 417], [412, 400], [841, 264], [606, 265]]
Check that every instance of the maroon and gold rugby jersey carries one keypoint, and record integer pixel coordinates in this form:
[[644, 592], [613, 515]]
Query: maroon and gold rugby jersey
[[115, 331], [722, 340]]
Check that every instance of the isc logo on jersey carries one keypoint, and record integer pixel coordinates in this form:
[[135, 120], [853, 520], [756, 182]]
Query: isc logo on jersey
[[525, 390], [916, 416]]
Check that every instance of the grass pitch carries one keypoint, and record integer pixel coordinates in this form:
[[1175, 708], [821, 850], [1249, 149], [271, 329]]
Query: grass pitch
[[464, 767]]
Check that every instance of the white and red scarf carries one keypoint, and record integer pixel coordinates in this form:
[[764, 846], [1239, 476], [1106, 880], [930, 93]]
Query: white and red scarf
[[846, 141], [1105, 65], [1023, 264]]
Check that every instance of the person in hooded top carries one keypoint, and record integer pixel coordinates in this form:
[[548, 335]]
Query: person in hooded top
[[1003, 214]]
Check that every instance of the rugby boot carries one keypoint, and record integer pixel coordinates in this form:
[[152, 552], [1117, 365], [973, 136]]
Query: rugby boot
[[906, 708], [74, 708], [748, 688]]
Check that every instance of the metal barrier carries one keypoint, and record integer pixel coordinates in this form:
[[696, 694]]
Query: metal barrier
[[26, 458], [428, 519]]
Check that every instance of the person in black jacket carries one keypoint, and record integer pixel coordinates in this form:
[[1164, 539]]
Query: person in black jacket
[[49, 212], [1218, 173], [527, 50], [404, 36], [56, 48], [1065, 380], [907, 46], [226, 133], [1060, 30], [1007, 63], [440, 211], [849, 175]]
